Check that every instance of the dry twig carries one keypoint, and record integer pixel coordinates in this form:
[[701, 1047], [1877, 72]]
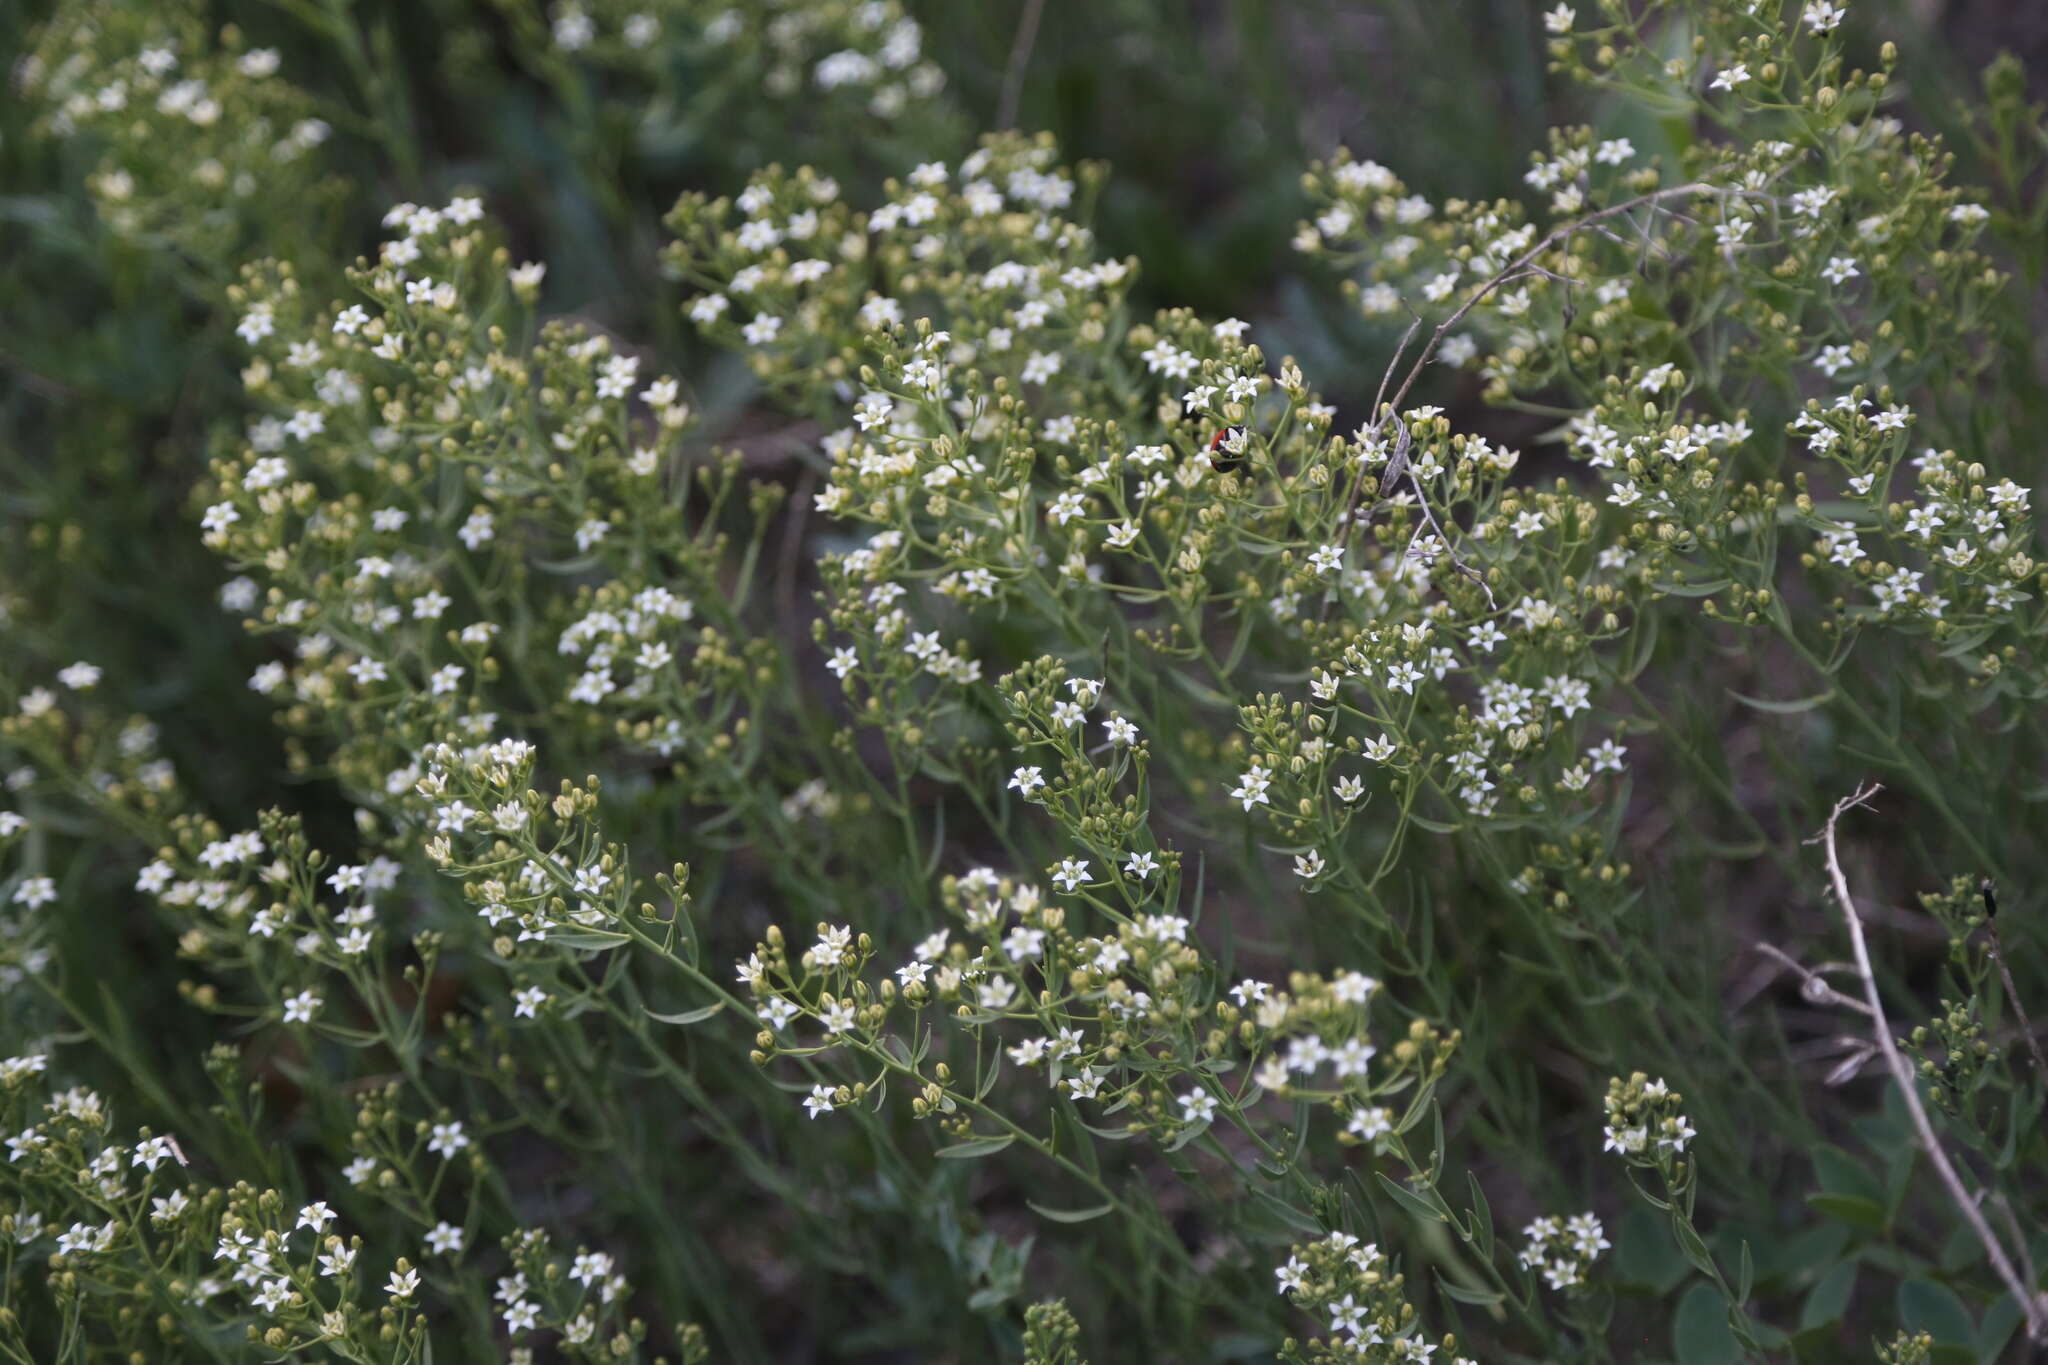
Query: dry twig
[[1020, 58], [1524, 265], [2031, 1302], [2012, 994], [1811, 984]]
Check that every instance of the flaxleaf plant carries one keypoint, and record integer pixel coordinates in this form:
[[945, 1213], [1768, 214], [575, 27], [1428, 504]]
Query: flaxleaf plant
[[1109, 850]]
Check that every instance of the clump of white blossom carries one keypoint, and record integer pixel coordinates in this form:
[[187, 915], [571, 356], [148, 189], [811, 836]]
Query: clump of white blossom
[[1091, 631]]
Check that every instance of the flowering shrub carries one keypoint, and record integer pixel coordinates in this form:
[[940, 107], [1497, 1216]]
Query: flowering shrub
[[1081, 828]]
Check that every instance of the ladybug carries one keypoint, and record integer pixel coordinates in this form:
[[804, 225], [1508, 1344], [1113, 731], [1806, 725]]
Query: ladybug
[[1222, 459]]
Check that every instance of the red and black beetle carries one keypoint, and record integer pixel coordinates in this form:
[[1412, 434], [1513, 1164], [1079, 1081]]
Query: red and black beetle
[[1222, 459]]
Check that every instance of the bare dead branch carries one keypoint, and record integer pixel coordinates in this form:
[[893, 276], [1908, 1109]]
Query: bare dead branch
[[2012, 997], [1811, 984], [1523, 261], [1523, 266], [1456, 563], [2032, 1303], [1020, 58]]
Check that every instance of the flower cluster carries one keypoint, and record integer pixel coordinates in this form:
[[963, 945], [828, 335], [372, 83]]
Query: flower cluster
[[980, 324], [413, 463], [859, 56], [1128, 1020], [1849, 211], [193, 133], [1644, 1124], [1562, 1250], [1360, 1305]]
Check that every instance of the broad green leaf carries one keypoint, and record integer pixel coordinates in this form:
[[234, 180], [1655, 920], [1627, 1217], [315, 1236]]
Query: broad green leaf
[[1852, 1209], [1840, 1173], [2001, 1320], [1699, 1332], [1826, 1300], [1644, 1253], [1925, 1306]]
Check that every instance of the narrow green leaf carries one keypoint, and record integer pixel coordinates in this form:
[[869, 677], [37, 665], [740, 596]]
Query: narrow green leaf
[[1783, 708], [987, 1081], [1706, 589], [1481, 1298], [589, 940], [1415, 1203], [1690, 1244], [977, 1147], [697, 1016], [1645, 645], [1069, 1215], [1285, 1214], [1112, 1134], [1482, 1218]]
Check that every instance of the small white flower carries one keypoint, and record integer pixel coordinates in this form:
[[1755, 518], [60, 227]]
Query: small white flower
[[1251, 787], [446, 1139], [35, 891], [1370, 1121], [1823, 16]]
